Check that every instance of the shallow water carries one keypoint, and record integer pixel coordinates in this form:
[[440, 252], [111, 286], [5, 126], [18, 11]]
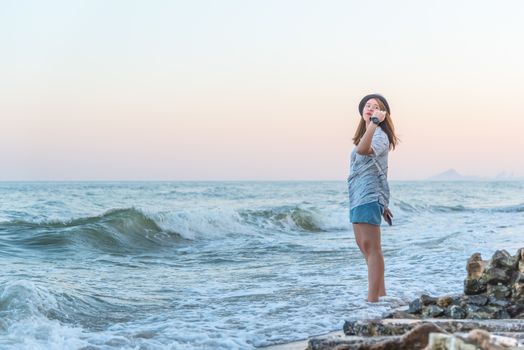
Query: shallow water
[[225, 265]]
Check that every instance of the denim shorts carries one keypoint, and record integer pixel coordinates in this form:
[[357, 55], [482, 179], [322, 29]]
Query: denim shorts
[[369, 213]]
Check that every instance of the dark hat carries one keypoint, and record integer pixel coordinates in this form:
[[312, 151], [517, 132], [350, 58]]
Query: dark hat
[[369, 97]]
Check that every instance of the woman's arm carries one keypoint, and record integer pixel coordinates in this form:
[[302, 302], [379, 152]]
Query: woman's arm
[[364, 146]]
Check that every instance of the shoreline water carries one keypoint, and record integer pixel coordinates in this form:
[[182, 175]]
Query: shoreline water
[[493, 301], [225, 265]]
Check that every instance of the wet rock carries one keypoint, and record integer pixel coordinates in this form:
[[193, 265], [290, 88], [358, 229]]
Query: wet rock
[[499, 291], [386, 327], [475, 266], [415, 307], [518, 277], [445, 301], [485, 312], [371, 328], [470, 308], [498, 302], [433, 311], [503, 260], [458, 299], [489, 312], [456, 312], [474, 286], [495, 275], [502, 314], [427, 300], [515, 310], [479, 300]]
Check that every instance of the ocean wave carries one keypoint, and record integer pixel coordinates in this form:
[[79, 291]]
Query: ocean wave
[[519, 208], [436, 208], [291, 218], [116, 231], [34, 317], [26, 320], [135, 230], [430, 208]]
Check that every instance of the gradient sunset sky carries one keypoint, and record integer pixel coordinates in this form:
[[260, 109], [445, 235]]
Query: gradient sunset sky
[[256, 90]]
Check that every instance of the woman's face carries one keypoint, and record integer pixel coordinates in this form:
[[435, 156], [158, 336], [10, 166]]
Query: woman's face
[[370, 106]]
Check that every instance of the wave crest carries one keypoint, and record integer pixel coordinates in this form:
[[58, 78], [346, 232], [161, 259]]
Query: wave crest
[[116, 231], [285, 218]]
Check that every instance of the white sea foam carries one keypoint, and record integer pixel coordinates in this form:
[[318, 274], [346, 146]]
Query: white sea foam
[[23, 309], [202, 222]]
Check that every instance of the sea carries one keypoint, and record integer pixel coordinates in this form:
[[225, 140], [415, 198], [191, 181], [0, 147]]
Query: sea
[[226, 265]]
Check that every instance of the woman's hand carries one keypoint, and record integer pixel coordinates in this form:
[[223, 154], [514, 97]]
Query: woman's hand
[[388, 216], [381, 115], [364, 146]]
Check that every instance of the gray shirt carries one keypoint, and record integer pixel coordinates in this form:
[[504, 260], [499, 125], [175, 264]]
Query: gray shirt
[[367, 180]]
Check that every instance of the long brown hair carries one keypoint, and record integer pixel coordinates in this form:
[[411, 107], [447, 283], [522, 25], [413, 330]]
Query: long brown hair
[[386, 126]]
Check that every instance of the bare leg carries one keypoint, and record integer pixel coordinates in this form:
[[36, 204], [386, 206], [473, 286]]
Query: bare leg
[[368, 240]]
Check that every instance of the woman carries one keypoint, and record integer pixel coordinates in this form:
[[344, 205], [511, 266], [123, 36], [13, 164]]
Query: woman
[[368, 187]]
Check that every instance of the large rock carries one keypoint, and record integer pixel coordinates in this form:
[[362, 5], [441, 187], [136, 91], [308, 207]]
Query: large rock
[[475, 266], [376, 327], [504, 260], [423, 335], [495, 275], [385, 327], [474, 340], [473, 286], [414, 339]]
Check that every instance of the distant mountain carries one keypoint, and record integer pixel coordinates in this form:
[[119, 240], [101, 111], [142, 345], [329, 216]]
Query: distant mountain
[[452, 175]]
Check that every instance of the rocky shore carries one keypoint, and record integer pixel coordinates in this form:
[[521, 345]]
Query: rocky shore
[[488, 316]]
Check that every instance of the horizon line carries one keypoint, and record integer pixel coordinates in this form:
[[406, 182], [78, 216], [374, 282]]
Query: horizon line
[[466, 179]]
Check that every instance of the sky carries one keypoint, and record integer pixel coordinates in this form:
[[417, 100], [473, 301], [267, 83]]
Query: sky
[[256, 90]]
